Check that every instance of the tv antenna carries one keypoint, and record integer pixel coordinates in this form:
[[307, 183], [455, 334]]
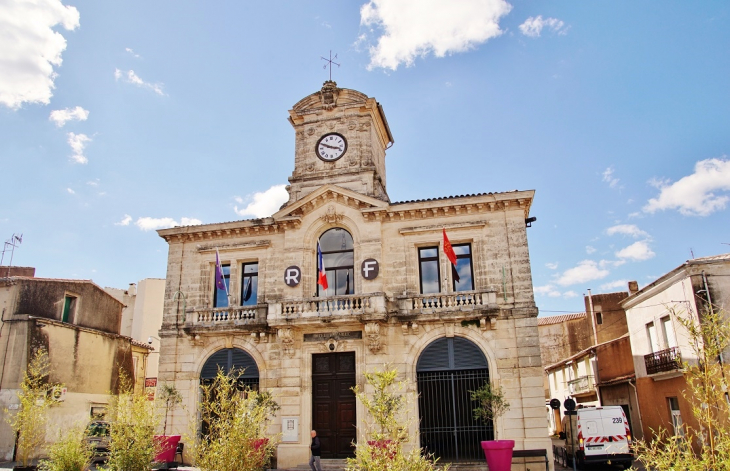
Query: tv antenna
[[10, 244], [330, 61]]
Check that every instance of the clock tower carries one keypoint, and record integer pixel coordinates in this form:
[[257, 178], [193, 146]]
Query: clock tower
[[341, 139]]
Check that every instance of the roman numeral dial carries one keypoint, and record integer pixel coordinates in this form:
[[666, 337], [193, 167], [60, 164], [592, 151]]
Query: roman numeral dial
[[331, 147]]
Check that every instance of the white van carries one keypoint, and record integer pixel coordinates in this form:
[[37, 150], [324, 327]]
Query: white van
[[599, 435]]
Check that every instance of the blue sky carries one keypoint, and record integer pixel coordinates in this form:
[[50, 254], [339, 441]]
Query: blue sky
[[117, 118]]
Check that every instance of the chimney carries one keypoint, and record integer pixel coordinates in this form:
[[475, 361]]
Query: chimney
[[633, 287], [132, 291]]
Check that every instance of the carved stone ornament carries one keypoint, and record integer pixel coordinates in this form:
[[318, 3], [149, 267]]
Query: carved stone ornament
[[331, 216], [329, 94], [372, 330], [287, 341], [332, 345]]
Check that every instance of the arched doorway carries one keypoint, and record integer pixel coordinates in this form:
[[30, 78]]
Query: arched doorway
[[338, 257], [447, 369], [229, 359]]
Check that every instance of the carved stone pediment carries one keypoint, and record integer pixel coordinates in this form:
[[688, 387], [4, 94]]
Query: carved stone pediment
[[326, 195]]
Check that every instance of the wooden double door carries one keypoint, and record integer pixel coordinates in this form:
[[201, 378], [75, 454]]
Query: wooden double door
[[333, 403]]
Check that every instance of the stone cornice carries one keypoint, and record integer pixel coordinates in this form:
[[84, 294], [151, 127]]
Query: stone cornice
[[439, 227], [256, 244], [452, 206]]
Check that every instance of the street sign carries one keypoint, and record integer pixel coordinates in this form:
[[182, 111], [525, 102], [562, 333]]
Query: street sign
[[569, 404], [555, 403]]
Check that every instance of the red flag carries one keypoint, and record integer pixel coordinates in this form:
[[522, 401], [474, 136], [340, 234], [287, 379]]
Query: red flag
[[449, 250], [322, 278]]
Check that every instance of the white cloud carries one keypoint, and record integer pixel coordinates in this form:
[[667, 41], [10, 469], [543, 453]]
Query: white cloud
[[60, 117], [585, 271], [609, 178], [533, 26], [30, 48], [125, 221], [638, 251], [131, 77], [150, 224], [552, 266], [134, 54], [611, 263], [627, 229], [547, 290], [590, 249], [265, 203], [415, 28], [615, 284], [70, 191], [78, 144], [694, 195], [94, 183]]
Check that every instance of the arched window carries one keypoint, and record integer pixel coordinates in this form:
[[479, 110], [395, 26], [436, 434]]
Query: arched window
[[338, 257], [447, 369], [232, 359]]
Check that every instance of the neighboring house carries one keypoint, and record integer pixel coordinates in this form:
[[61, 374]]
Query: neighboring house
[[142, 318], [392, 297], [569, 347], [660, 344], [77, 322]]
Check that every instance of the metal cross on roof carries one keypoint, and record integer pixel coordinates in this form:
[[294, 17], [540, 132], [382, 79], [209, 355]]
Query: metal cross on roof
[[330, 61]]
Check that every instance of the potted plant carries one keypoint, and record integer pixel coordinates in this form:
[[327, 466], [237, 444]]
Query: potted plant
[[387, 429], [491, 405], [29, 422], [168, 398], [132, 422], [235, 419]]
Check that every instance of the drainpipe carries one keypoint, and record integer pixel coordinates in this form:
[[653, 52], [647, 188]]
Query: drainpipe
[[593, 318], [638, 408]]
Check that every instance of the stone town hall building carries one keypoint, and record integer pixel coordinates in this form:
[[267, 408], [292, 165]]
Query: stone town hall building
[[392, 297]]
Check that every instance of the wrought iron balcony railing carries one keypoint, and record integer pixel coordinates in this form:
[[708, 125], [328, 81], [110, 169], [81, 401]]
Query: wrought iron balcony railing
[[663, 360], [582, 385]]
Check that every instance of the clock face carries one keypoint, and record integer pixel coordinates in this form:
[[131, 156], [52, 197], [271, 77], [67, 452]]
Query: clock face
[[331, 147]]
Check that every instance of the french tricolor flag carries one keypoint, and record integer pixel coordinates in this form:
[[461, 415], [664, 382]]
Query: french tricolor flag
[[322, 279]]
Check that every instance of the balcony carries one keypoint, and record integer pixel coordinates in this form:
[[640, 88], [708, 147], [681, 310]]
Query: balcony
[[336, 309], [224, 318], [582, 385], [663, 361], [456, 306]]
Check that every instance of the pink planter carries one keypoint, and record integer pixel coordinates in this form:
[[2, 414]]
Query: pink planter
[[168, 445], [498, 454]]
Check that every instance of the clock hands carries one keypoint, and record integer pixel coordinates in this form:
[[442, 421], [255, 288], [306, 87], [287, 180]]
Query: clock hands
[[331, 147]]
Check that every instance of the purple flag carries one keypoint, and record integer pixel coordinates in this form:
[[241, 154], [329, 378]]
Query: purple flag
[[220, 281]]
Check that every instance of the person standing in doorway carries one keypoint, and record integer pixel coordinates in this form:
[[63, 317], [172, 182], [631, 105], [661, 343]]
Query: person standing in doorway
[[315, 447]]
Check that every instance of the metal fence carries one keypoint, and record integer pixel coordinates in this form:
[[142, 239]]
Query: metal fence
[[447, 425], [664, 360]]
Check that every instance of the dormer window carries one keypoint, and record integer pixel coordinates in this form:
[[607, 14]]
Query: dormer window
[[69, 308]]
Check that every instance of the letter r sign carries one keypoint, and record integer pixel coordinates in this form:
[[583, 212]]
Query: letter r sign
[[292, 276]]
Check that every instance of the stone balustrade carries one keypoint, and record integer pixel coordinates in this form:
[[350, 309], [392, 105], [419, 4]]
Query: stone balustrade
[[227, 316], [349, 305], [478, 300]]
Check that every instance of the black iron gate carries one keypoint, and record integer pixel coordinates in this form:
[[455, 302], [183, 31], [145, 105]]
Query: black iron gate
[[447, 425]]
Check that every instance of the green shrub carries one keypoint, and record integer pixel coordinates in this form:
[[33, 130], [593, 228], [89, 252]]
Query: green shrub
[[132, 424], [70, 453], [234, 419], [387, 429]]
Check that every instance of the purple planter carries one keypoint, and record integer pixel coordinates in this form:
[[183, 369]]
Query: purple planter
[[498, 454]]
